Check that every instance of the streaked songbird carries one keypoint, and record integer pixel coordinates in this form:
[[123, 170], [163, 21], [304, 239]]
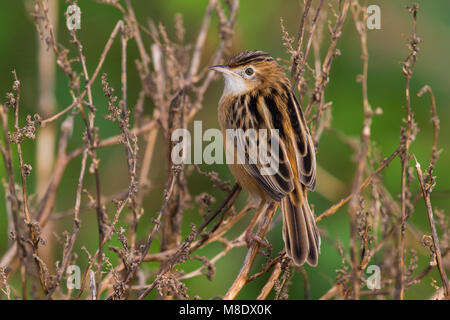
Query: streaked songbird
[[257, 95]]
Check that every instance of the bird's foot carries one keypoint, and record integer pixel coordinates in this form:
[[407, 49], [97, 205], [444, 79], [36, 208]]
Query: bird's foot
[[251, 238]]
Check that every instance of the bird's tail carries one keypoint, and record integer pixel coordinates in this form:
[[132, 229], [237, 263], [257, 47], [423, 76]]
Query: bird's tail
[[300, 233]]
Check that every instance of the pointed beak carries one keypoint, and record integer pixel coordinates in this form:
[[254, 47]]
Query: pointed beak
[[222, 68], [218, 68]]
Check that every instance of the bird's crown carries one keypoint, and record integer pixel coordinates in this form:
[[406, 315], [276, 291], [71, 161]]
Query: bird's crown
[[248, 57]]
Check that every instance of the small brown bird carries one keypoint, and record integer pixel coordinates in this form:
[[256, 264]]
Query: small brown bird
[[257, 95]]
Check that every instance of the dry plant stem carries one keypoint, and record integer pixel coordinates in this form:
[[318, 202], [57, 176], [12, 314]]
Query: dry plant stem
[[100, 222], [436, 128], [316, 43], [339, 288], [426, 196], [131, 152], [334, 291], [123, 77], [387, 199], [34, 232], [194, 65], [146, 164], [297, 57], [107, 237], [305, 284], [45, 207], [370, 253], [117, 28], [86, 206], [137, 35], [171, 222], [225, 43], [322, 79], [312, 29], [408, 66], [333, 209], [19, 151], [243, 275], [75, 103], [129, 275], [76, 226], [238, 242], [429, 268], [47, 202], [92, 147], [47, 106], [46, 137], [151, 125], [200, 42], [223, 208], [110, 230], [92, 287], [64, 111], [152, 134], [14, 204], [270, 283], [216, 232], [360, 23], [227, 203], [322, 72], [366, 259]]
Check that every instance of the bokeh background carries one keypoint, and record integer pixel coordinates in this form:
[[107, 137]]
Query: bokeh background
[[258, 27]]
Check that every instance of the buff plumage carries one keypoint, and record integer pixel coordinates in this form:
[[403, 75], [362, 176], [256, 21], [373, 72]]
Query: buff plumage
[[257, 95]]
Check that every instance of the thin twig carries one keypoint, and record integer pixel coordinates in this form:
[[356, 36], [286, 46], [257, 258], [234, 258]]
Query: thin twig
[[408, 66], [426, 190]]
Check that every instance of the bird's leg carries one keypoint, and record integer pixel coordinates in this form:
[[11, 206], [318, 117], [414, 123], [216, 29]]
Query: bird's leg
[[249, 235]]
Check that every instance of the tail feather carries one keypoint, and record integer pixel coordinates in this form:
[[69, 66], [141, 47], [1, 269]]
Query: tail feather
[[300, 233]]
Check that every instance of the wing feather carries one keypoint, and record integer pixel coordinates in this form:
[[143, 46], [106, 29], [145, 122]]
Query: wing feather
[[303, 144], [250, 150]]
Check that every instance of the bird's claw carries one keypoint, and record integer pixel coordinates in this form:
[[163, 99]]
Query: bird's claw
[[251, 238]]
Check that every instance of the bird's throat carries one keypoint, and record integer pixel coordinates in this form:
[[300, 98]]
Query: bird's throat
[[235, 85]]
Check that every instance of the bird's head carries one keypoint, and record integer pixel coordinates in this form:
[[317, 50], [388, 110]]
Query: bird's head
[[249, 70]]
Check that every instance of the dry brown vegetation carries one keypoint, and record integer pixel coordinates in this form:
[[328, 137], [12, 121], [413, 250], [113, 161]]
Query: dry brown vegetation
[[174, 77]]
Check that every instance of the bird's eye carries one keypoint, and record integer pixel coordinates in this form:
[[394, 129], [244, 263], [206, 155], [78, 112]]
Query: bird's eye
[[249, 71]]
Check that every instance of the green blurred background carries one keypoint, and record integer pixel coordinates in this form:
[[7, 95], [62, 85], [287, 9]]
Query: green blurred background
[[258, 27]]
